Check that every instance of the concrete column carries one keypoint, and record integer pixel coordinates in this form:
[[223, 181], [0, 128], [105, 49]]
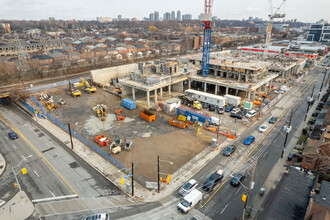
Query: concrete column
[[239, 77], [161, 92], [270, 84], [227, 74], [253, 95], [189, 84], [216, 89], [227, 90], [265, 88], [156, 95], [182, 88], [236, 92], [133, 93], [205, 87], [249, 96], [148, 98], [169, 90]]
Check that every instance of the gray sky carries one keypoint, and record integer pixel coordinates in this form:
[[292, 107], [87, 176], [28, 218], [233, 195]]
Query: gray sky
[[303, 10]]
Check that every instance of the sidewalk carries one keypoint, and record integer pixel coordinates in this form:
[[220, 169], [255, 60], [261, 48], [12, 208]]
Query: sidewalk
[[278, 170], [3, 165], [19, 207]]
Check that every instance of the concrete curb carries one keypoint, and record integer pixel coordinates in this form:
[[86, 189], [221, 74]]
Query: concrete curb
[[4, 162]]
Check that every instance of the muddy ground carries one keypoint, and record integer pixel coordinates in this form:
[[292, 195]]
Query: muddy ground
[[149, 139]]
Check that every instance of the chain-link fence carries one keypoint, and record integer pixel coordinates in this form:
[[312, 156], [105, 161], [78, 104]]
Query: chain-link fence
[[81, 138]]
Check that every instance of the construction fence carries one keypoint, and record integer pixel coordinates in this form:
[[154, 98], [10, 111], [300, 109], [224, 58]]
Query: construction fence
[[79, 137]]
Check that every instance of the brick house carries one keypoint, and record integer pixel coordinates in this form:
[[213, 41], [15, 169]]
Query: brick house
[[43, 59]]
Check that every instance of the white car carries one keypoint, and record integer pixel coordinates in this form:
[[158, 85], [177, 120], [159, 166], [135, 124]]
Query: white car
[[276, 91], [263, 128], [235, 110], [188, 187], [250, 114]]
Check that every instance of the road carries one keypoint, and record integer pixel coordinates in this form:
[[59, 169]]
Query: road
[[226, 203], [53, 170]]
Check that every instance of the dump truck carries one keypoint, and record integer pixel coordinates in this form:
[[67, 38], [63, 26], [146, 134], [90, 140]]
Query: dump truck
[[191, 102], [102, 140], [178, 123], [147, 115], [87, 87], [120, 115]]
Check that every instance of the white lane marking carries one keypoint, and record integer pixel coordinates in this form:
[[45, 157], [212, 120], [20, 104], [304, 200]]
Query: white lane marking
[[36, 173], [6, 137], [238, 190], [224, 209], [52, 193], [14, 146], [53, 198]]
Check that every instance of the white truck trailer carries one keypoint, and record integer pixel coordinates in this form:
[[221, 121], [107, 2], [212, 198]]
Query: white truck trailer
[[208, 98], [233, 100]]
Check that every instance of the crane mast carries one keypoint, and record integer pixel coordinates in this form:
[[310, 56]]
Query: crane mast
[[207, 18]]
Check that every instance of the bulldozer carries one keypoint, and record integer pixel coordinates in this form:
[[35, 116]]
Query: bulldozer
[[87, 87], [72, 91]]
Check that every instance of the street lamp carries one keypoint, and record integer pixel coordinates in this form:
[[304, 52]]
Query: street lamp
[[15, 174], [158, 160]]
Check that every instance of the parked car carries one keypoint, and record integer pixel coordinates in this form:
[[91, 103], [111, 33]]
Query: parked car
[[211, 108], [237, 179], [213, 180], [188, 187], [312, 121], [249, 140], [276, 91], [229, 108], [239, 115], [272, 120], [13, 135], [263, 128], [315, 114], [318, 109], [290, 156], [100, 216], [229, 150], [204, 105], [220, 110], [235, 110], [250, 114]]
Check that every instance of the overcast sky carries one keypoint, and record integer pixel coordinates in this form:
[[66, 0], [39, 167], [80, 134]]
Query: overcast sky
[[303, 10]]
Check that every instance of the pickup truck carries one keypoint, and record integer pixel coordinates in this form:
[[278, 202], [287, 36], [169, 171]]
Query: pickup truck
[[147, 115]]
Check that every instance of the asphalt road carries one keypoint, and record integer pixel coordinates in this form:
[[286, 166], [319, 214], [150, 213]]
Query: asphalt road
[[227, 203], [53, 170]]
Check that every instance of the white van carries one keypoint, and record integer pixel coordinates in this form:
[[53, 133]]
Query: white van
[[189, 201]]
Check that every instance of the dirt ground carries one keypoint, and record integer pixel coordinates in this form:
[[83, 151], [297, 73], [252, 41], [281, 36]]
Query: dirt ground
[[149, 139]]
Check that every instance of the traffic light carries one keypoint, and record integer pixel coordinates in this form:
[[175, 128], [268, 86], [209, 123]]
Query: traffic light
[[169, 178]]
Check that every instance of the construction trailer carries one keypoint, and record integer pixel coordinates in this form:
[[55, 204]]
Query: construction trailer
[[193, 115], [233, 100], [208, 98], [169, 105], [129, 104]]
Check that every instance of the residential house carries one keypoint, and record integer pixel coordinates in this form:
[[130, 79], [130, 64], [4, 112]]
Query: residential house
[[87, 53], [111, 51], [99, 52], [43, 59], [319, 205], [121, 50], [174, 47], [73, 55]]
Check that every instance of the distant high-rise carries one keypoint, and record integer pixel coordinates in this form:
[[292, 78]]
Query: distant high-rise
[[250, 18], [151, 17], [167, 16], [172, 15], [187, 17], [319, 32], [103, 19], [156, 16], [178, 16], [119, 17]]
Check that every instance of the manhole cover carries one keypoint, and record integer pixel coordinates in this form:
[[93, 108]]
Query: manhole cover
[[73, 165], [41, 134], [36, 130]]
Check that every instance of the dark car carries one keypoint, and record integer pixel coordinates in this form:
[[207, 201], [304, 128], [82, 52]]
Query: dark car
[[229, 150], [233, 115], [315, 114], [272, 120], [312, 121], [220, 110], [239, 115], [318, 109], [211, 108], [237, 179], [204, 105], [229, 108], [213, 180], [13, 135]]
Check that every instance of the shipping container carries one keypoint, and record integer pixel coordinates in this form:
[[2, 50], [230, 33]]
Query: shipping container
[[233, 100], [208, 98], [127, 103]]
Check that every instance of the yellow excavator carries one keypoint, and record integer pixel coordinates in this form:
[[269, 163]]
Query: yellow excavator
[[101, 112], [87, 87], [72, 91]]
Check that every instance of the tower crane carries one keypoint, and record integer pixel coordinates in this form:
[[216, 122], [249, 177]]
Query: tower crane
[[271, 16], [207, 18]]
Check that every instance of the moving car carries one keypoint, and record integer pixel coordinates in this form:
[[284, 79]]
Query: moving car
[[250, 114], [13, 135], [100, 216], [229, 150], [213, 180], [263, 128], [272, 120], [220, 110], [229, 108], [249, 140], [237, 179], [188, 187]]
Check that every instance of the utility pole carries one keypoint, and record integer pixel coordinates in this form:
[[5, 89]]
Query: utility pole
[[287, 134], [70, 136], [250, 186], [158, 174], [132, 178]]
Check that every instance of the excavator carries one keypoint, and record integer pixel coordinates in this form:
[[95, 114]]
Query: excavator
[[101, 112], [72, 91], [87, 87], [261, 94]]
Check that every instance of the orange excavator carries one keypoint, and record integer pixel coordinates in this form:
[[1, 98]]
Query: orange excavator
[[215, 130], [261, 94]]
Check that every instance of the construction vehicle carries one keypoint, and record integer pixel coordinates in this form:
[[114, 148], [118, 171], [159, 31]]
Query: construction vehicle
[[215, 130], [261, 94], [190, 102], [178, 123], [100, 111], [128, 145], [114, 149], [72, 91], [87, 87], [61, 102], [120, 115], [102, 140], [51, 106], [149, 116]]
